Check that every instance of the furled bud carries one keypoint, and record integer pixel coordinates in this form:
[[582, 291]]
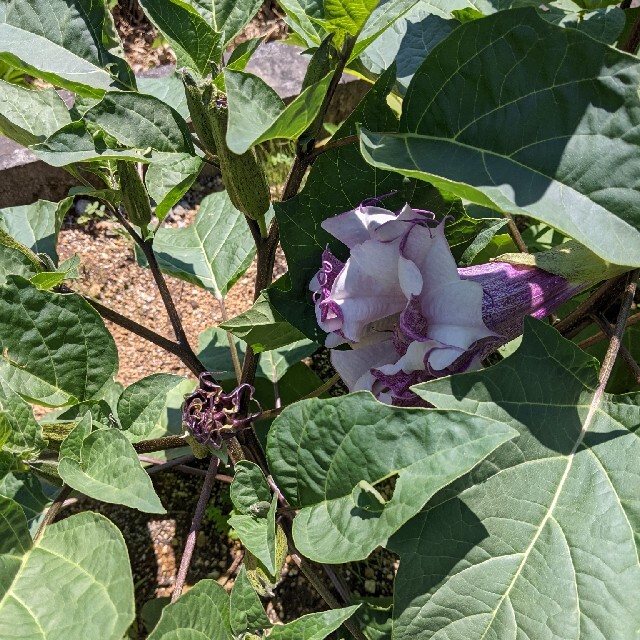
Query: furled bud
[[197, 101], [211, 416], [134, 195]]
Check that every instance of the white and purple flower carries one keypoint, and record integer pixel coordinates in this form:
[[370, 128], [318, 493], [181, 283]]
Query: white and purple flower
[[406, 310]]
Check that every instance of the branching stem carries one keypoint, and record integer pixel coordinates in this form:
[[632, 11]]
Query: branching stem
[[190, 544], [53, 511]]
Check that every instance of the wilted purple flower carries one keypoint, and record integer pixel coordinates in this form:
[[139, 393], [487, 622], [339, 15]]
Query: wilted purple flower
[[405, 309], [211, 415]]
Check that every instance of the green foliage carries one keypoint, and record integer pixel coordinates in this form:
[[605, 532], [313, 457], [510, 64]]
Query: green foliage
[[555, 176], [55, 348], [570, 460], [98, 584], [342, 517]]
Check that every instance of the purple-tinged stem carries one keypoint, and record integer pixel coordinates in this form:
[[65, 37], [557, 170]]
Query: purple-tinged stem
[[190, 544]]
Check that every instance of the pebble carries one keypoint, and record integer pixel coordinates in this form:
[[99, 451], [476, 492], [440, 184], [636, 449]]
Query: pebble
[[370, 586]]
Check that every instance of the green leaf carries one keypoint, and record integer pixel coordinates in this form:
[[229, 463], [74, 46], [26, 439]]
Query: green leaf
[[28, 116], [241, 55], [36, 225], [91, 595], [340, 180], [109, 470], [74, 143], [192, 39], [142, 403], [202, 612], [25, 488], [551, 513], [408, 41], [320, 452], [55, 348], [247, 612], [213, 351], [605, 25], [227, 17], [347, 15], [262, 327], [141, 121], [210, 253], [14, 533], [70, 44], [14, 262], [249, 487], [20, 434], [583, 90], [71, 446], [47, 280], [258, 535], [168, 89], [257, 113], [167, 181], [313, 626]]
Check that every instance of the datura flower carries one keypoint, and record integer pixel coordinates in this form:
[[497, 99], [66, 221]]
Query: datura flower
[[405, 309], [211, 416]]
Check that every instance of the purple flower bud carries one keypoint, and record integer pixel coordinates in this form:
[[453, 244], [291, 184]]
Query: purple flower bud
[[211, 415]]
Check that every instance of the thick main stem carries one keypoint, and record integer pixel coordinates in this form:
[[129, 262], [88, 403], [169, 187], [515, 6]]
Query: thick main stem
[[53, 511], [190, 544]]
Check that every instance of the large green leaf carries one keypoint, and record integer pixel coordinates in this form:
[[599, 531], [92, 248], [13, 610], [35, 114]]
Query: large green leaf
[[70, 43], [28, 116], [88, 594], [510, 72], [327, 455], [262, 327], [109, 470], [192, 39], [55, 348], [169, 179], [247, 612], [538, 541], [347, 15], [36, 225], [257, 113], [227, 17], [210, 253], [313, 626], [14, 534], [20, 434], [141, 121], [142, 404], [202, 612], [340, 180]]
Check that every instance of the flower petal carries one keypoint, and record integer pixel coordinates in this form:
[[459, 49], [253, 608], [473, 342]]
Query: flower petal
[[368, 289], [355, 364], [357, 226]]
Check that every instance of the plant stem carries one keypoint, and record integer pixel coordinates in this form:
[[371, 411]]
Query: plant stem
[[618, 332], [272, 413], [515, 234], [601, 335], [147, 248], [600, 300], [330, 146], [604, 324], [232, 345], [190, 544], [160, 444], [53, 511], [631, 45], [177, 464], [194, 365]]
